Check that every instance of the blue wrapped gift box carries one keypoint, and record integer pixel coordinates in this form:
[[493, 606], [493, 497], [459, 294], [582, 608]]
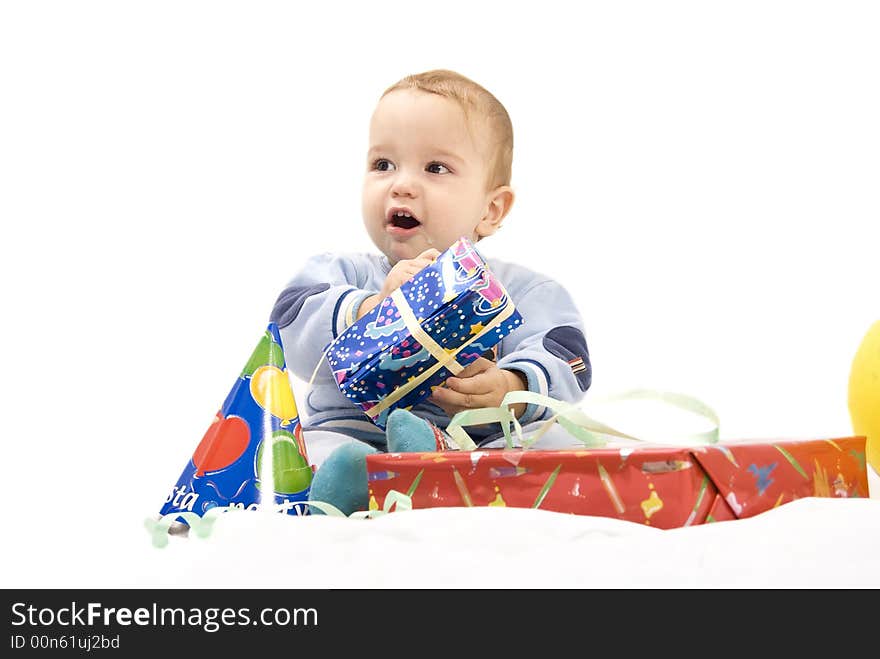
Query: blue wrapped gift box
[[430, 328]]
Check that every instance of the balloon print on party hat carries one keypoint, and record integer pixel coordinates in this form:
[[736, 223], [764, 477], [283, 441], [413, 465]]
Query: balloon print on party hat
[[229, 467], [271, 390]]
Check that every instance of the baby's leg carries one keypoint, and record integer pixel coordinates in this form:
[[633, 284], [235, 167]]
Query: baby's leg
[[341, 469], [341, 460], [321, 442], [408, 433]]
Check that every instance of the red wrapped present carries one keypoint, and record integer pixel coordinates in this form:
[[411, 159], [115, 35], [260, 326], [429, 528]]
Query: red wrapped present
[[661, 486]]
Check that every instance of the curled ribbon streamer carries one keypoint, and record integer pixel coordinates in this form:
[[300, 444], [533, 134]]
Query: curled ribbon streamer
[[200, 525], [574, 420], [681, 401], [500, 414], [318, 365], [403, 501]]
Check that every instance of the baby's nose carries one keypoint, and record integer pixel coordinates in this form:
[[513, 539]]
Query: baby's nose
[[404, 185]]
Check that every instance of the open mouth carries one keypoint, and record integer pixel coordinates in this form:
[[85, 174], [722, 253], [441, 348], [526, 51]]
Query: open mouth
[[403, 220]]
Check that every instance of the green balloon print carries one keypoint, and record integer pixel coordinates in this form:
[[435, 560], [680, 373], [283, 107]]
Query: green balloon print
[[266, 352], [290, 470]]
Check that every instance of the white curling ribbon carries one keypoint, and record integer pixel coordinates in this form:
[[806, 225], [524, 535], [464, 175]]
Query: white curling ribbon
[[584, 427], [318, 365], [202, 526], [403, 501]]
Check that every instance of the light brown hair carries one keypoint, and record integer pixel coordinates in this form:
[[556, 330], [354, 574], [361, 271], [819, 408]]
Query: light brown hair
[[472, 97]]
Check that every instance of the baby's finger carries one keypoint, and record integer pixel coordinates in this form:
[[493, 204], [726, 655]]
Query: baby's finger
[[476, 384], [429, 254], [477, 366], [422, 263], [453, 398]]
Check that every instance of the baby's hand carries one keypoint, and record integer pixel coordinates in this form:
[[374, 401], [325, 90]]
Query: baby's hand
[[480, 384], [400, 273], [403, 271]]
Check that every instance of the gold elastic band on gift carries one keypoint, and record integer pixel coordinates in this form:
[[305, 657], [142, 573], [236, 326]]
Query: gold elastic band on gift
[[400, 392], [420, 335]]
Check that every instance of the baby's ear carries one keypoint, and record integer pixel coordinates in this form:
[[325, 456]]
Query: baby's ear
[[498, 205]]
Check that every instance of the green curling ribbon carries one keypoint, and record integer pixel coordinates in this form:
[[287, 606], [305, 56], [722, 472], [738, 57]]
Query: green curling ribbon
[[580, 425], [403, 501], [202, 526]]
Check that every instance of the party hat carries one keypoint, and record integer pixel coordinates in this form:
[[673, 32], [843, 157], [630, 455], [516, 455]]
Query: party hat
[[233, 466]]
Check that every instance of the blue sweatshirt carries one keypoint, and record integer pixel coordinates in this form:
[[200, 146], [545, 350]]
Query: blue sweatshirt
[[549, 348]]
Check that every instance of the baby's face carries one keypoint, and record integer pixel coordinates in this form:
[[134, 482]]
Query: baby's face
[[426, 177]]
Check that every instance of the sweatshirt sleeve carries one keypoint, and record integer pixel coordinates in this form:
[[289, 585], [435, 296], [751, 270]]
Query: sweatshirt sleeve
[[549, 348], [314, 308]]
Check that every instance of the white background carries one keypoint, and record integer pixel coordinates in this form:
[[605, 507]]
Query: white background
[[702, 176]]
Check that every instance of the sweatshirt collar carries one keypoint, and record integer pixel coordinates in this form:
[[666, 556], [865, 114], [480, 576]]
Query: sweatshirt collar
[[385, 264]]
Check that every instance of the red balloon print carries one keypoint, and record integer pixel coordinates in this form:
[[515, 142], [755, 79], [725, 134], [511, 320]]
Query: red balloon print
[[223, 443]]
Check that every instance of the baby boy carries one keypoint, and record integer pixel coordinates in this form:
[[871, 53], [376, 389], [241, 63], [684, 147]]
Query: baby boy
[[438, 168]]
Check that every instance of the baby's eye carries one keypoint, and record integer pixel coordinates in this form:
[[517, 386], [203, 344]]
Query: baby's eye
[[383, 165], [437, 168]]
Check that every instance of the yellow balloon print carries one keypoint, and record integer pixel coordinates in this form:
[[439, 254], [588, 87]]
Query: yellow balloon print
[[864, 393], [271, 388]]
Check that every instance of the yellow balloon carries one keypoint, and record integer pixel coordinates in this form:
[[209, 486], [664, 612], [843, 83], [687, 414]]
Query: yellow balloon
[[864, 393], [271, 388]]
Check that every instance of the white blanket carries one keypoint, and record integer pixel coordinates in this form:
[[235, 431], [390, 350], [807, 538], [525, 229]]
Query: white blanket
[[809, 543], [816, 543]]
